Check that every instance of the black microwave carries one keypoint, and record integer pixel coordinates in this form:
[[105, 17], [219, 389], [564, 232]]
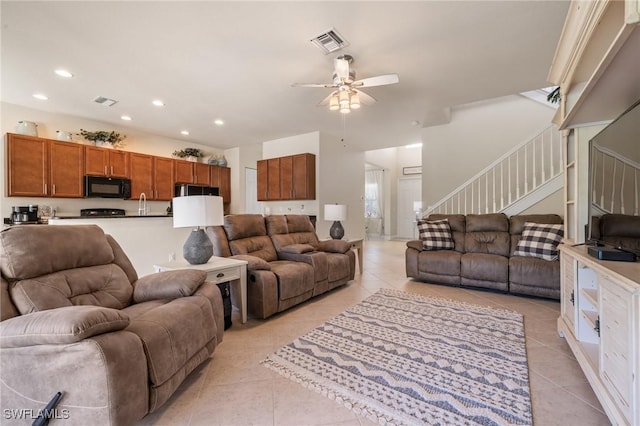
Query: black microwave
[[106, 187]]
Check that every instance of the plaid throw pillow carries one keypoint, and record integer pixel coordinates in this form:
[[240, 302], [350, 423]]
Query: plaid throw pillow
[[539, 240], [435, 235]]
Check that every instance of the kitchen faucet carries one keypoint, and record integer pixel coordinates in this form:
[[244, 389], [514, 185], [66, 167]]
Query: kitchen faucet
[[142, 204]]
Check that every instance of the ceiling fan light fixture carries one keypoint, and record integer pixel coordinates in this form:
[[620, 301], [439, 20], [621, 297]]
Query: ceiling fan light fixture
[[334, 103], [343, 96], [345, 109], [355, 101]]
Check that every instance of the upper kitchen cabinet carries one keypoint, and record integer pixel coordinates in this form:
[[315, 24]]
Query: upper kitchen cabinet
[[27, 166], [192, 172], [66, 162], [38, 167], [152, 176], [106, 162], [291, 177], [163, 178], [221, 178]]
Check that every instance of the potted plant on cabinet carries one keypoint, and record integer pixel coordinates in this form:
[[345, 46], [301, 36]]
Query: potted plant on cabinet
[[190, 154], [104, 138]]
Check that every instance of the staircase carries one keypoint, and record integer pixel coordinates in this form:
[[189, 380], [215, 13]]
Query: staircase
[[614, 182], [523, 176]]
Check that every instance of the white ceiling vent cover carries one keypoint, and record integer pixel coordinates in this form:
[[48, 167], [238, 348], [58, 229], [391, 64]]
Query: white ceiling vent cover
[[105, 101], [329, 41]]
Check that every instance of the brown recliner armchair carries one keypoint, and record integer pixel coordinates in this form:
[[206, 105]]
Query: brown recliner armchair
[[76, 319]]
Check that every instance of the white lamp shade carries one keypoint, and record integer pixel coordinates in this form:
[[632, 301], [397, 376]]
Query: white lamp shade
[[335, 212], [197, 210], [417, 206]]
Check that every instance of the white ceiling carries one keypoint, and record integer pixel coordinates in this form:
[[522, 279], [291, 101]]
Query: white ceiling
[[237, 61]]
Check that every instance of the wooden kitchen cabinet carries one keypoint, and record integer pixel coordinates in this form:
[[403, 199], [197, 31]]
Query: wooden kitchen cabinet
[[202, 174], [27, 166], [291, 177], [151, 175], [221, 178], [141, 175], [163, 178], [66, 162], [183, 171], [106, 162], [304, 177], [39, 167]]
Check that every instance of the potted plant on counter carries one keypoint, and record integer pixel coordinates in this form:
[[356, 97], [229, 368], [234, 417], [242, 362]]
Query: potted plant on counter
[[190, 154], [104, 138]]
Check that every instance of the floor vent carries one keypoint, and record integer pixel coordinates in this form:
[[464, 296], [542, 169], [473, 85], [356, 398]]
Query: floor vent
[[105, 101], [329, 41]]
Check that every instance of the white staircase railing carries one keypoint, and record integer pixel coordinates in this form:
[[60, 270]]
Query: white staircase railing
[[614, 182], [519, 172]]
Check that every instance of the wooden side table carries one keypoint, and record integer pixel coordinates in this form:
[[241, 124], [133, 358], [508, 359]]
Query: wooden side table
[[219, 270]]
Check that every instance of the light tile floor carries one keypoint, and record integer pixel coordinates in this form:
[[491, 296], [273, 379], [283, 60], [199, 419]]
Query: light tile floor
[[232, 388]]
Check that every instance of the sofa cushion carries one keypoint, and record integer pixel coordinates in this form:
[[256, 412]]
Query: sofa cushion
[[540, 240], [457, 223], [258, 246], [534, 272], [172, 333], [298, 248], [294, 278], [482, 267], [71, 324], [30, 251], [238, 226], [489, 242], [435, 235], [487, 222], [516, 225], [168, 285], [103, 285], [253, 263], [445, 262]]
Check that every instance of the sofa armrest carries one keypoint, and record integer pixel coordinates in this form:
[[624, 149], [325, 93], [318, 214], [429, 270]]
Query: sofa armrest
[[255, 263], [415, 244], [297, 248], [334, 246], [168, 285], [69, 324]]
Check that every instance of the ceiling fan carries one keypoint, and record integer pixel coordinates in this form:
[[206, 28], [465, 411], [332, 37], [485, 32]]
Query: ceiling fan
[[348, 95]]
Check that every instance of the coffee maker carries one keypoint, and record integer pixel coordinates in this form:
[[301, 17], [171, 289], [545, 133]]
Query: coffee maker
[[24, 214]]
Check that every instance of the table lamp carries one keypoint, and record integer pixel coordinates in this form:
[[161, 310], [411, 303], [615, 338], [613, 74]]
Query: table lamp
[[335, 212], [417, 208], [197, 211]]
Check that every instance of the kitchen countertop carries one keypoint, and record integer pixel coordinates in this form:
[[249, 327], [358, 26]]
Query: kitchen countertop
[[113, 217]]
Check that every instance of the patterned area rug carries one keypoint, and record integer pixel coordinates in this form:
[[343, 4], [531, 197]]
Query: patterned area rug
[[399, 358]]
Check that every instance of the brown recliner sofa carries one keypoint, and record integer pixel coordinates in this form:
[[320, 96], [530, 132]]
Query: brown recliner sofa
[[483, 257], [77, 319], [287, 264]]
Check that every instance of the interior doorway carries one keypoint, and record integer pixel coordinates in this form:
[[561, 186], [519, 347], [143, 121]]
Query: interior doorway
[[409, 190], [251, 191]]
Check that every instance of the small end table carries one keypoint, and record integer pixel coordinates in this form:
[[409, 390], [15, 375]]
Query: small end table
[[219, 270]]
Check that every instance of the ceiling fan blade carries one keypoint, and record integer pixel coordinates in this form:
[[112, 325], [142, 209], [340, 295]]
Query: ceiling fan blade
[[380, 80], [313, 85], [364, 98], [325, 101]]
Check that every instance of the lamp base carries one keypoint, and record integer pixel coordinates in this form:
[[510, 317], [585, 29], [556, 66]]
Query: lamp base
[[336, 231], [198, 248]]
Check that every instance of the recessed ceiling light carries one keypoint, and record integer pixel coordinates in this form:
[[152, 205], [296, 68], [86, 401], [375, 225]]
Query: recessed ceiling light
[[40, 96], [218, 122], [157, 102], [185, 132], [126, 117], [63, 73]]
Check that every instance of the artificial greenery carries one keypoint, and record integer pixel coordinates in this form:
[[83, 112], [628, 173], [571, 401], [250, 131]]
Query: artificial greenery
[[113, 138], [554, 96], [188, 152]]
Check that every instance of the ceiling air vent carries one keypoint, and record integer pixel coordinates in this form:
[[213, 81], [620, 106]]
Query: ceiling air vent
[[329, 41], [105, 101]]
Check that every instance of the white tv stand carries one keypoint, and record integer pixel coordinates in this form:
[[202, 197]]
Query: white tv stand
[[600, 320]]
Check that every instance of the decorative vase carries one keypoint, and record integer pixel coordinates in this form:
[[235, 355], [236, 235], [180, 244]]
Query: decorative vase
[[192, 158]]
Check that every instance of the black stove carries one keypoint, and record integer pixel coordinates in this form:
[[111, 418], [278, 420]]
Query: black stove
[[102, 212]]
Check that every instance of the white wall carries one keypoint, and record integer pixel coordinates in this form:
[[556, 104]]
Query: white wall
[[478, 134], [238, 160], [48, 123]]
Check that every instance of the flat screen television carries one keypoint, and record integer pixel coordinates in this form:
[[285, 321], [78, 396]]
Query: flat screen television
[[614, 170]]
